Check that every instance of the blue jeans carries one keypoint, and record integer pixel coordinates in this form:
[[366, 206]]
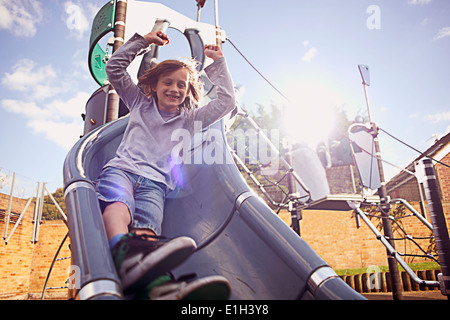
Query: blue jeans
[[144, 197]]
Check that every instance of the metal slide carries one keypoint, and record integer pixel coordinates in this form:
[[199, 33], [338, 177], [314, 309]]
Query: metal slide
[[238, 235]]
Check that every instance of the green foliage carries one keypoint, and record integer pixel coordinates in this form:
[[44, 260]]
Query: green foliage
[[414, 266], [398, 211], [50, 211]]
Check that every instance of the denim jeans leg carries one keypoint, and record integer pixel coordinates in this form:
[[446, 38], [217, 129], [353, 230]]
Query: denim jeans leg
[[149, 205]]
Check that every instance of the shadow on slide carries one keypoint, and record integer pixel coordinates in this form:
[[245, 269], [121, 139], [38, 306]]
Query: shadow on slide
[[238, 235]]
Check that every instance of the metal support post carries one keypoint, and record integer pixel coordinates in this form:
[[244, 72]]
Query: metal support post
[[391, 250], [397, 290], [112, 107], [438, 221], [200, 4], [420, 187], [39, 217], [295, 212], [9, 205], [21, 216], [218, 29], [39, 205], [382, 192], [56, 205], [36, 211]]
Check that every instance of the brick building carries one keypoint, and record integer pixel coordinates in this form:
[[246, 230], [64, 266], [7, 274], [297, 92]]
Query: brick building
[[405, 186]]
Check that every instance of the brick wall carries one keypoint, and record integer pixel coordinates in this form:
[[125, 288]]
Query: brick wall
[[334, 235], [50, 237], [24, 265], [443, 175], [16, 257], [336, 238], [408, 190]]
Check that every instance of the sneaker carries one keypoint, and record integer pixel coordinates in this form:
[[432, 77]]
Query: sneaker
[[139, 260], [167, 288]]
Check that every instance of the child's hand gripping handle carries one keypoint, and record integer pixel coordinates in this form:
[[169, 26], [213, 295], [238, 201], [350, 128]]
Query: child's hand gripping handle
[[157, 37], [158, 34], [161, 25]]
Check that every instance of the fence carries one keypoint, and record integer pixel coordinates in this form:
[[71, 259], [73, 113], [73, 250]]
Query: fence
[[30, 242]]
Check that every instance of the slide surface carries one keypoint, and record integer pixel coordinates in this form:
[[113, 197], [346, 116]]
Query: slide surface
[[238, 235]]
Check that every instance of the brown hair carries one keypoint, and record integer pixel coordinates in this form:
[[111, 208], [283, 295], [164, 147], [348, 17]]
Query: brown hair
[[148, 81]]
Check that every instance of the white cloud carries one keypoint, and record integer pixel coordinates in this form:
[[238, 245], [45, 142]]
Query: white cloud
[[442, 33], [20, 16], [45, 102], [34, 82], [309, 55], [415, 115], [59, 120], [29, 109], [439, 117], [64, 134], [71, 108], [419, 2]]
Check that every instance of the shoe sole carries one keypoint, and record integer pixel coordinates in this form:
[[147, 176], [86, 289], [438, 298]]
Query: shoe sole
[[158, 263], [208, 288]]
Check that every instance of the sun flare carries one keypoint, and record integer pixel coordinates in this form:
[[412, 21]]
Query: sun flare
[[310, 115]]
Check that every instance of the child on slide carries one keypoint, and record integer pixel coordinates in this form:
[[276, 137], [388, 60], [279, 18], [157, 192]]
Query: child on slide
[[133, 185]]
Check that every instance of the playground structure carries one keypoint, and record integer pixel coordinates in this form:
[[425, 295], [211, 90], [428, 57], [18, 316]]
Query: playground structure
[[238, 235]]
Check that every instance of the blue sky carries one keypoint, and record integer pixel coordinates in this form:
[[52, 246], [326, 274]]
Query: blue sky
[[309, 49]]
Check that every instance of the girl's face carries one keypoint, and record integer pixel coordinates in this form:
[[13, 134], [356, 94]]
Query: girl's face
[[172, 89]]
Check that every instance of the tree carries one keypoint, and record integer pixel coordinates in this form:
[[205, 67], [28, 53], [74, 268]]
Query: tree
[[50, 211], [258, 156], [336, 148]]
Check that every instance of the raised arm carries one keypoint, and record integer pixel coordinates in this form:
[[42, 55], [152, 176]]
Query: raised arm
[[219, 74], [116, 67]]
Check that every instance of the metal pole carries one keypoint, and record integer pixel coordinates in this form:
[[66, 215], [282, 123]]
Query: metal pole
[[57, 205], [112, 107], [295, 212], [422, 201], [216, 18], [367, 102], [437, 217], [387, 226], [9, 205], [397, 290], [39, 216], [199, 10], [21, 216], [36, 211]]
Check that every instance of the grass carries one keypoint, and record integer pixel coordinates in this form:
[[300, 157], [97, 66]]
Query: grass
[[414, 266]]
